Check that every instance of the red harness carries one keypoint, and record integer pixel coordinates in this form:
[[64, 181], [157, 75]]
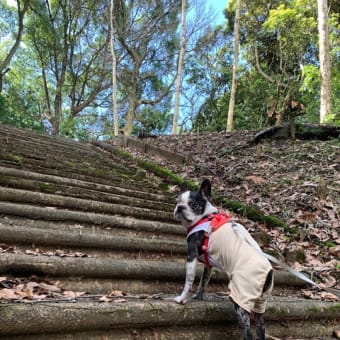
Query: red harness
[[216, 221]]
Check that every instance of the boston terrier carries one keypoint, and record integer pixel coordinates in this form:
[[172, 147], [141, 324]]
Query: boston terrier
[[216, 240]]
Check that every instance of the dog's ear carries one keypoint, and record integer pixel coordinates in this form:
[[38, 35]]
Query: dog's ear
[[184, 187], [205, 189]]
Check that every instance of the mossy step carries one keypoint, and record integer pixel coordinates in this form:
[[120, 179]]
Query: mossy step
[[52, 318]]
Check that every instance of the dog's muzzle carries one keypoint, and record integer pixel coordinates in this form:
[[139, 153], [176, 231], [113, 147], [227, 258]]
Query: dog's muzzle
[[180, 215]]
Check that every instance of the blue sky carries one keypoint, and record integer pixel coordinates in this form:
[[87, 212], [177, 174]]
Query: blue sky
[[219, 6]]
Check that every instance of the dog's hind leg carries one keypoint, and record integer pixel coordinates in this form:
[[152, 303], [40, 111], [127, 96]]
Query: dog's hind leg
[[260, 330], [203, 283], [243, 318]]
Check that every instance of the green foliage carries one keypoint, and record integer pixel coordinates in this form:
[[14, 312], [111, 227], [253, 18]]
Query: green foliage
[[17, 115], [295, 20], [4, 112], [330, 244], [208, 74], [254, 96], [72, 36], [79, 128], [152, 121], [285, 35], [310, 79], [7, 22]]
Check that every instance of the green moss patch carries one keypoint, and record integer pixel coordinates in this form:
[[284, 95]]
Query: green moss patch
[[251, 212]]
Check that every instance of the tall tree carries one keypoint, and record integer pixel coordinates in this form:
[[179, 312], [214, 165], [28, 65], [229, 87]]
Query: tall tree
[[324, 59], [276, 38], [207, 55], [114, 73], [71, 51], [208, 79], [22, 7], [179, 67], [230, 120], [146, 39]]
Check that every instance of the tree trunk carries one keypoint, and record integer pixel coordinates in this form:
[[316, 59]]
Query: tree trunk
[[133, 100], [130, 115], [114, 75], [325, 68], [230, 121], [179, 69], [5, 63]]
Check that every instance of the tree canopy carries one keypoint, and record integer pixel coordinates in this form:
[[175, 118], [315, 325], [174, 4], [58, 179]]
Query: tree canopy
[[56, 65]]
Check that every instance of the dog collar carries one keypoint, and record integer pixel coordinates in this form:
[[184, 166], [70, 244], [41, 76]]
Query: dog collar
[[215, 221], [205, 219], [204, 226]]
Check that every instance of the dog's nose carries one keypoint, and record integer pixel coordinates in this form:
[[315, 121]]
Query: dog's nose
[[179, 209]]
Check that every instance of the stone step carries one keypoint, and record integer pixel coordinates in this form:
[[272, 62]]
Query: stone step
[[131, 318], [90, 240], [86, 162], [88, 220], [45, 180], [114, 221], [79, 204]]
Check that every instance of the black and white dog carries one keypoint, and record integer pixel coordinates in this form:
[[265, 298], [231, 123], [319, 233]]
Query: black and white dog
[[217, 241]]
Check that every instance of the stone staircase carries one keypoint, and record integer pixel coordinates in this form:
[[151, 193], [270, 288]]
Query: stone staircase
[[83, 218]]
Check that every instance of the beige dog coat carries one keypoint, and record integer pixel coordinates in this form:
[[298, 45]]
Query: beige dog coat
[[246, 267]]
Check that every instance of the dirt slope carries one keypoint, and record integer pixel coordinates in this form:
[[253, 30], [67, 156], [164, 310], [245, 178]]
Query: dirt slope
[[298, 181]]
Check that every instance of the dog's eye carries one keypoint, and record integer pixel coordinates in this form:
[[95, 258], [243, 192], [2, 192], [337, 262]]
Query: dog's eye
[[193, 205]]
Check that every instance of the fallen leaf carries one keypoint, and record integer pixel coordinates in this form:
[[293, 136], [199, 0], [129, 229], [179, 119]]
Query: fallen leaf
[[119, 300], [104, 298], [328, 296], [25, 293], [307, 294], [256, 179], [49, 287], [30, 252], [336, 333], [69, 294], [8, 294], [117, 293]]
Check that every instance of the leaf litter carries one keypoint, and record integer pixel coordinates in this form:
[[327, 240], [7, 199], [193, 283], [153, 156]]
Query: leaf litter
[[297, 181]]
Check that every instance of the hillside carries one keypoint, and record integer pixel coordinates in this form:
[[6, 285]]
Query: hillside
[[297, 181]]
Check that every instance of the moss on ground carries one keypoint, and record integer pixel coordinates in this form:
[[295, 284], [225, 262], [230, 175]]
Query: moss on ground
[[10, 157], [251, 212]]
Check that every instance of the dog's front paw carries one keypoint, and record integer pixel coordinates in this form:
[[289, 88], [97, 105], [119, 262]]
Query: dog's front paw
[[182, 300]]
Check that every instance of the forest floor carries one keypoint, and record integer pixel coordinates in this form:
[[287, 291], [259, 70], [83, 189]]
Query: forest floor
[[297, 181]]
